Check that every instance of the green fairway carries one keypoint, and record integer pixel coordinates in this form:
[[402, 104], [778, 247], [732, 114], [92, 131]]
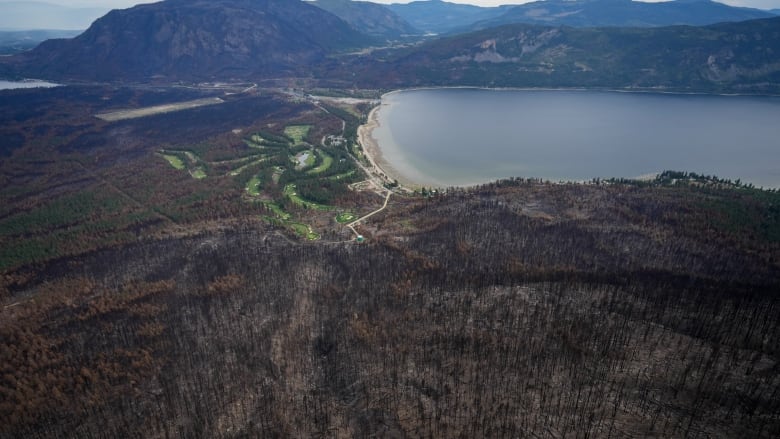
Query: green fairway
[[241, 169], [278, 171], [255, 141], [174, 161], [327, 161], [297, 132], [342, 176], [305, 231], [290, 192], [278, 211], [282, 218], [345, 217], [253, 187], [198, 173]]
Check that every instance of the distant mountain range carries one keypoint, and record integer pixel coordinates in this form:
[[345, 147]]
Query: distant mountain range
[[731, 57], [440, 17], [33, 15], [443, 17], [624, 13], [12, 42], [370, 18], [195, 40]]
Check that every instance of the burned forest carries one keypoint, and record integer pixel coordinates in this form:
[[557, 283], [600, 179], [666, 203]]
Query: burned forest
[[515, 309]]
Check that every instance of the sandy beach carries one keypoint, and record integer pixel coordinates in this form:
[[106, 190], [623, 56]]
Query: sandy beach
[[374, 154]]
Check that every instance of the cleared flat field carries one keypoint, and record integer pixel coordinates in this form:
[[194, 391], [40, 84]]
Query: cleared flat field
[[157, 109]]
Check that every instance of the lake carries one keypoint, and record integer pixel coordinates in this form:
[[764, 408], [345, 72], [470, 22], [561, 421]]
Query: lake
[[10, 85], [455, 137]]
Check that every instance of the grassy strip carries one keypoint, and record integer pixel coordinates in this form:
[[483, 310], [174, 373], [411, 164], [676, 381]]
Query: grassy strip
[[345, 217], [278, 171], [304, 231], [244, 167], [253, 187], [289, 191], [174, 161], [277, 210], [327, 162], [283, 219], [343, 176], [198, 174], [297, 132]]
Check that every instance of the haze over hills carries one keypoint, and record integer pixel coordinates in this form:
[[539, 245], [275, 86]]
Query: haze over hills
[[727, 56], [443, 17], [437, 16], [244, 39], [12, 42], [34, 15], [182, 39], [625, 13], [370, 18]]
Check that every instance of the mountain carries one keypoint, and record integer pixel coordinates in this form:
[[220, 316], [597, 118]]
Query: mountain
[[729, 56], [26, 15], [775, 11], [18, 41], [441, 17], [198, 39], [370, 18], [626, 13]]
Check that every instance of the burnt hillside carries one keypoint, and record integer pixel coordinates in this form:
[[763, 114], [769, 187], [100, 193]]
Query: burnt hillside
[[511, 310]]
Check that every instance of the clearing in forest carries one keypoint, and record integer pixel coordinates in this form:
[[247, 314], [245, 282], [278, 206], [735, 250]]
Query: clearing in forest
[[345, 217], [157, 109], [297, 132], [174, 161], [253, 187]]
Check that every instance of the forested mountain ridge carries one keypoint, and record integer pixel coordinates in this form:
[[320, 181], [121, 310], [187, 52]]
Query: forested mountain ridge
[[728, 57], [622, 13], [370, 18], [440, 17], [181, 40]]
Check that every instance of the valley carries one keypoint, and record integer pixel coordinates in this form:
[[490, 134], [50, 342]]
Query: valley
[[199, 239]]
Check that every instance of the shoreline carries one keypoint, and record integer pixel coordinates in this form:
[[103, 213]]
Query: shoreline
[[385, 171], [371, 150], [599, 89]]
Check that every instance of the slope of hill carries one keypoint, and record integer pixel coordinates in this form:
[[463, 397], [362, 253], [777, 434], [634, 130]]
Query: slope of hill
[[369, 18], [440, 17], [626, 13], [725, 57], [196, 40]]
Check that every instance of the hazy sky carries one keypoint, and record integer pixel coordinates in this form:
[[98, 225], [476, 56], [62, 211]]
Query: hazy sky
[[764, 4]]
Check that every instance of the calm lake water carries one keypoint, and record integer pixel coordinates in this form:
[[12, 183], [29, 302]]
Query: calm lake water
[[451, 137], [9, 85]]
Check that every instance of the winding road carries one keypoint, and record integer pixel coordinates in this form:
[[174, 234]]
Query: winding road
[[357, 221]]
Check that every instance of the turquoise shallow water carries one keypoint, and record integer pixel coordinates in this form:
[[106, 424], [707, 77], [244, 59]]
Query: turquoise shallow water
[[452, 137]]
